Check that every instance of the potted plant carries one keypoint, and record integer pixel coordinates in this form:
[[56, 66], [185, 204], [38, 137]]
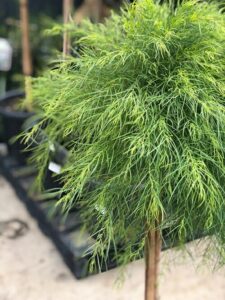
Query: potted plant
[[16, 107], [142, 114], [13, 118]]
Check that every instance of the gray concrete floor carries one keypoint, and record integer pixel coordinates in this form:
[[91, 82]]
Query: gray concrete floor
[[32, 269]]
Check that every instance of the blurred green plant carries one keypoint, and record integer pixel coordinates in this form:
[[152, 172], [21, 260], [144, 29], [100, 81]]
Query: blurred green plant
[[43, 47], [142, 114]]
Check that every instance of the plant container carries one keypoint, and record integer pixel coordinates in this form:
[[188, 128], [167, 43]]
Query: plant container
[[12, 123]]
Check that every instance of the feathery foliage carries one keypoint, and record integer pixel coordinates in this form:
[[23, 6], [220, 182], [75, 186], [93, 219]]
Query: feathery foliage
[[142, 114]]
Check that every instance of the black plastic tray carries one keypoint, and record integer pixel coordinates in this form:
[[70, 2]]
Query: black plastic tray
[[65, 232]]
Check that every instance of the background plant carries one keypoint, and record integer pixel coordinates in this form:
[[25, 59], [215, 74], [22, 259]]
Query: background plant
[[43, 15], [142, 114]]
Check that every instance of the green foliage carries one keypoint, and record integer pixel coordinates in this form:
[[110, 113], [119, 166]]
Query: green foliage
[[142, 114]]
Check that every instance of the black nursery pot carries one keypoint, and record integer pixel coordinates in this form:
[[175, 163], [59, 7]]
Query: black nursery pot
[[12, 122], [59, 157]]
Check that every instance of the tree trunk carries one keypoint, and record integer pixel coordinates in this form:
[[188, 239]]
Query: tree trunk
[[95, 10], [152, 257], [67, 5]]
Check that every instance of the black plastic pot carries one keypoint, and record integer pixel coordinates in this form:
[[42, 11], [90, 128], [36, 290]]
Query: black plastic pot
[[1, 131], [12, 124], [59, 157]]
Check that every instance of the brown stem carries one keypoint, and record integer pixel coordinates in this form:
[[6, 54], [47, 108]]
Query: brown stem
[[67, 5], [26, 59], [152, 257]]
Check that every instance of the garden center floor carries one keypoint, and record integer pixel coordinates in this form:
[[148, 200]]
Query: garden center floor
[[32, 269]]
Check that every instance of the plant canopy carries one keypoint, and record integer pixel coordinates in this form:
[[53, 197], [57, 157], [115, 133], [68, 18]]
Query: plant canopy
[[142, 113]]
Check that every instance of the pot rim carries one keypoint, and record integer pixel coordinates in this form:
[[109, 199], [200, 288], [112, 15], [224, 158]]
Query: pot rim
[[13, 114]]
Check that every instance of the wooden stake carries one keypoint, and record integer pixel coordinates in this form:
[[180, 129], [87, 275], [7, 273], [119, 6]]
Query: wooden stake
[[26, 53], [152, 257], [67, 6], [26, 60]]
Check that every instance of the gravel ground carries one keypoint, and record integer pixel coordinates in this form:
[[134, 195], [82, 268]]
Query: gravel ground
[[32, 269]]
